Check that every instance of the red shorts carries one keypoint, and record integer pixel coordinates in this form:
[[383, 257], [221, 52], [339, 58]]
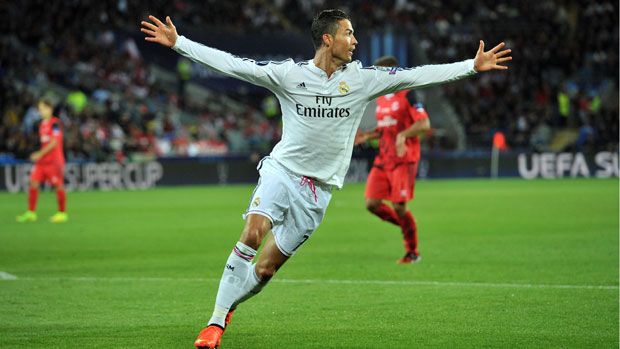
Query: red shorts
[[51, 173], [396, 185]]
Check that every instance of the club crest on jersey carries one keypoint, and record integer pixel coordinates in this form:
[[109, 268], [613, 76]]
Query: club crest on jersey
[[343, 87], [256, 201]]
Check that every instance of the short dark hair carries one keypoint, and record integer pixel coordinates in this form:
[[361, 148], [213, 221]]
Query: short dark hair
[[386, 61], [325, 22]]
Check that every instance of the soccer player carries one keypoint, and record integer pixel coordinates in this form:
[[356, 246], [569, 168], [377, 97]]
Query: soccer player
[[322, 101], [49, 165], [400, 120]]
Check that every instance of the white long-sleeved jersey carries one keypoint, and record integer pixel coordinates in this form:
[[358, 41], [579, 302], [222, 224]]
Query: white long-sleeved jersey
[[321, 114]]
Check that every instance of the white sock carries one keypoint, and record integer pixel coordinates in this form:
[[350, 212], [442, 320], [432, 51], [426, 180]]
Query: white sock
[[234, 281], [252, 287]]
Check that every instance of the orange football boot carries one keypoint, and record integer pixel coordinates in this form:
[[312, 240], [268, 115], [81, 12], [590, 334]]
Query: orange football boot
[[211, 335], [228, 318]]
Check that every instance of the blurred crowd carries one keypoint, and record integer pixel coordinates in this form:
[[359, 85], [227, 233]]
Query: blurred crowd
[[564, 76], [110, 103]]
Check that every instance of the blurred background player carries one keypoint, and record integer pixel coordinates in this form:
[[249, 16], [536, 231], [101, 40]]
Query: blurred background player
[[49, 164], [400, 120]]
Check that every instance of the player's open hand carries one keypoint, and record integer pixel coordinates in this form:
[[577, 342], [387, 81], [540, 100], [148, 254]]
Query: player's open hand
[[491, 59], [163, 34]]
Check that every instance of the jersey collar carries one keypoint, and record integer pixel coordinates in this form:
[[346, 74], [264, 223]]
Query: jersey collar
[[313, 68]]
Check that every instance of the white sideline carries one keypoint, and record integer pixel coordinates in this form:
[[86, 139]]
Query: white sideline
[[3, 276], [6, 276]]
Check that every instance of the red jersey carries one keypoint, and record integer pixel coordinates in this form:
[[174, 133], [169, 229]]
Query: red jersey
[[48, 130], [395, 114]]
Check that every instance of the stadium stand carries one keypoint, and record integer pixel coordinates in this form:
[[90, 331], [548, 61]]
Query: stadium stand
[[561, 94]]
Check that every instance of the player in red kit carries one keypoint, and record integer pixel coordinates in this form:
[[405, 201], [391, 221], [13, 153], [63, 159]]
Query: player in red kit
[[49, 165], [400, 119]]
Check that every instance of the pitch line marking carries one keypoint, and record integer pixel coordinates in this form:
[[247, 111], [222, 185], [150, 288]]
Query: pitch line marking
[[6, 276], [330, 281], [450, 283]]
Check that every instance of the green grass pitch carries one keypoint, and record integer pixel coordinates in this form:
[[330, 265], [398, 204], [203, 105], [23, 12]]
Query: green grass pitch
[[506, 263]]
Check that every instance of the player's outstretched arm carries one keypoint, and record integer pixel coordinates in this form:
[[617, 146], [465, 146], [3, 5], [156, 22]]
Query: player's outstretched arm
[[267, 74], [380, 81], [158, 32], [492, 59]]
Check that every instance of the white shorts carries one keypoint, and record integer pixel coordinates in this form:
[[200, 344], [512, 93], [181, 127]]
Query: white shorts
[[294, 204]]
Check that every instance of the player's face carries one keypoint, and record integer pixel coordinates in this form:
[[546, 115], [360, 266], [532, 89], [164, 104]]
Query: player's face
[[45, 110], [344, 41]]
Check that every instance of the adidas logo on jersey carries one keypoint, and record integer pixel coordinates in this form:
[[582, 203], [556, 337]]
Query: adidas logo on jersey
[[302, 85]]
